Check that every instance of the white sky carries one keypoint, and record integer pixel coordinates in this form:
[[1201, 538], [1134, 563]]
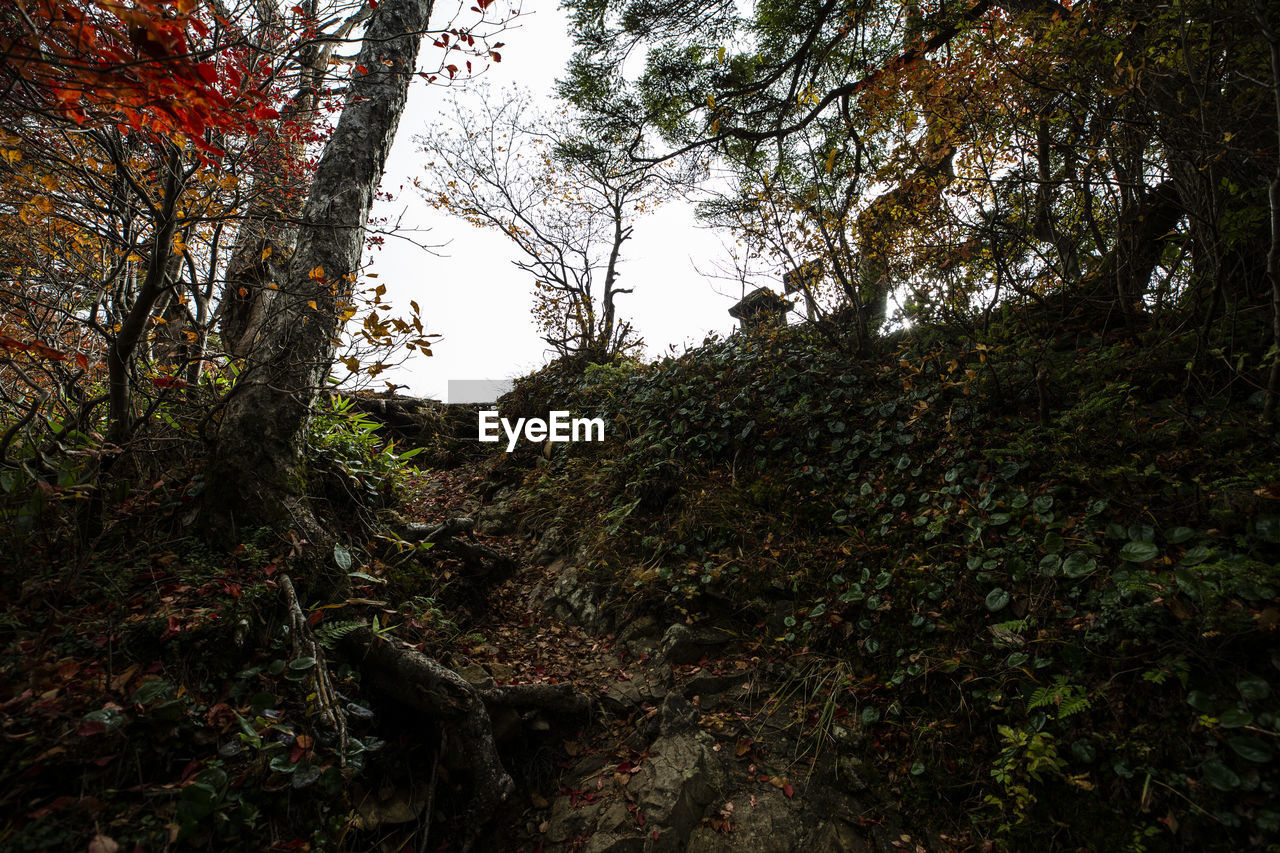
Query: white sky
[[470, 293]]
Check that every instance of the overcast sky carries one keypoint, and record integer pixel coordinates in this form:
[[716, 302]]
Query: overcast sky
[[470, 293]]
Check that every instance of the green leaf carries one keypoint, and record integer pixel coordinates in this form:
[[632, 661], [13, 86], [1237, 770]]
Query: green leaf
[[1142, 533], [1049, 565], [282, 764], [997, 599], [1078, 564], [1138, 551], [1178, 535], [1221, 776], [1250, 749], [1254, 688], [1200, 701], [1195, 556], [302, 663], [1234, 718], [342, 557], [150, 691]]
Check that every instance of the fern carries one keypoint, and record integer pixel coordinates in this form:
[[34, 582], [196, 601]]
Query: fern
[[329, 635], [1066, 697]]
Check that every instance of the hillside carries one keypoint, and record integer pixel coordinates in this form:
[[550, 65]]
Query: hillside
[[964, 590]]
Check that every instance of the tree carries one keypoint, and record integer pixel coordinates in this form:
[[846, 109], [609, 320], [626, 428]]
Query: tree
[[258, 472], [1105, 154], [145, 146], [566, 203]]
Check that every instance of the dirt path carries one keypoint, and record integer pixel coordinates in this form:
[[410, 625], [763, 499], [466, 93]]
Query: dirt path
[[699, 740]]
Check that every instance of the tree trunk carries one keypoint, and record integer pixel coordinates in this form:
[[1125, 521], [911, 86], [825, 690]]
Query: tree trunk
[[258, 474]]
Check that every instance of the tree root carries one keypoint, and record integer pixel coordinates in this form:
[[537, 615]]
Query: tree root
[[445, 537], [425, 685], [305, 645]]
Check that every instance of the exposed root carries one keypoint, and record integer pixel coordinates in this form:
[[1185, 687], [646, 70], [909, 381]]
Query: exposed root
[[305, 645], [445, 537], [425, 685]]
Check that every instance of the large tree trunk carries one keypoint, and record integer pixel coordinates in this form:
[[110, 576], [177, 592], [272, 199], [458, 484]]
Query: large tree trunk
[[258, 474]]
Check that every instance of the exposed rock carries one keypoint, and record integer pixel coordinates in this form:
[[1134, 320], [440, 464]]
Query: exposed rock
[[567, 821], [603, 842], [575, 598], [676, 715], [680, 778], [552, 543], [639, 636], [497, 519], [768, 826], [649, 686], [682, 644]]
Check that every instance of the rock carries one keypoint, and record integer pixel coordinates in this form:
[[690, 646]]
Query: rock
[[567, 821], [707, 684], [676, 715], [650, 687], [639, 636], [474, 673], [498, 518], [682, 644], [551, 544], [680, 778], [603, 842], [576, 599], [836, 836]]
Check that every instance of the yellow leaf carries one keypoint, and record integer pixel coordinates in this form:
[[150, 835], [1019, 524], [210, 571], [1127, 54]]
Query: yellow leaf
[[311, 303], [720, 57], [831, 161], [317, 273], [266, 253]]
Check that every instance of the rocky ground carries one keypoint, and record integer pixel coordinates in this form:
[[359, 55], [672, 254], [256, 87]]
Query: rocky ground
[[700, 739]]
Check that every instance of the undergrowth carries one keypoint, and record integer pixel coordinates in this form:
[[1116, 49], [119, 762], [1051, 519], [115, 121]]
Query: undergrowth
[[1050, 568]]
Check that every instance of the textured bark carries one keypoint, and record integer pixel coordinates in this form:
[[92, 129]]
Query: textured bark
[[258, 474], [415, 680], [133, 327], [268, 233]]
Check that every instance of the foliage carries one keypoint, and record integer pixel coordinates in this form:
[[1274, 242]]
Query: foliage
[[1072, 581], [954, 157]]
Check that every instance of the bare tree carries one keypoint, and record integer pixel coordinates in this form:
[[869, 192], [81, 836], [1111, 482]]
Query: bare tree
[[567, 204]]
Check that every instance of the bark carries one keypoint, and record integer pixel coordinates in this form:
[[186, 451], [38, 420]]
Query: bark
[[1141, 233], [415, 680], [134, 325], [258, 473], [268, 233]]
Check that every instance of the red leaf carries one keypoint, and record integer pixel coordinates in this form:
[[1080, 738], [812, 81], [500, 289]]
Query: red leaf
[[208, 73], [788, 790], [91, 727], [361, 69]]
